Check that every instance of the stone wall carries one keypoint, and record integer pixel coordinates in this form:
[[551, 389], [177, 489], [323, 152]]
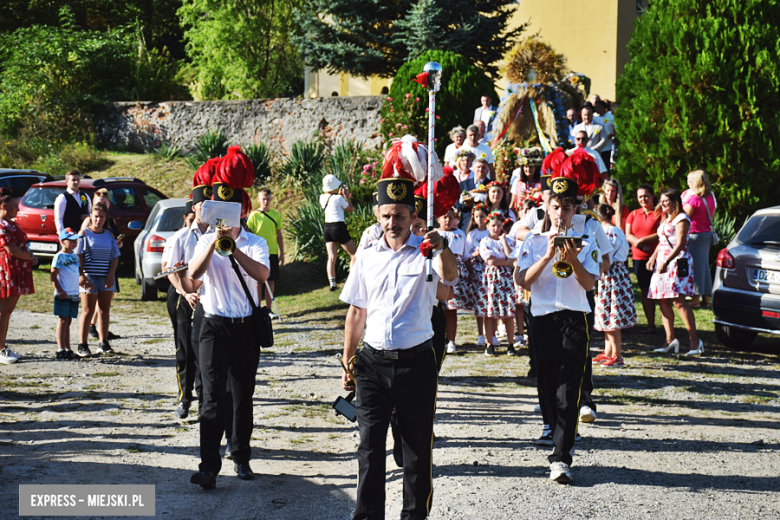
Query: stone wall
[[278, 123]]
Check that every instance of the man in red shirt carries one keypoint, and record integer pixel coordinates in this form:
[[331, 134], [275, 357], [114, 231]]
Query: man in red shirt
[[641, 232]]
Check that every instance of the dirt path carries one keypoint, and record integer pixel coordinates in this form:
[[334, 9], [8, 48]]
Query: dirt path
[[674, 438]]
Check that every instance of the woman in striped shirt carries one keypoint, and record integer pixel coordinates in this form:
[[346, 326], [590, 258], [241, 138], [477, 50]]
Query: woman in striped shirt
[[98, 259]]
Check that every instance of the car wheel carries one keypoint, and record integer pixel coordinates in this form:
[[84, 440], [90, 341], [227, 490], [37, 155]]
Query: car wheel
[[735, 338], [148, 292]]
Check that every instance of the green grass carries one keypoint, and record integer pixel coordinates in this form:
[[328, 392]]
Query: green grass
[[105, 374]]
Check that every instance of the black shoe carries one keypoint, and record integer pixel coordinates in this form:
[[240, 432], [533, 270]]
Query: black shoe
[[334, 287], [545, 440], [62, 355], [510, 351], [398, 453], [83, 350], [93, 333], [531, 373], [243, 471], [183, 410], [112, 336], [70, 355], [105, 348], [490, 351], [228, 455], [204, 479]]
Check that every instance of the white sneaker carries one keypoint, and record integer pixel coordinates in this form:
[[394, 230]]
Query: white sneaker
[[481, 341], [559, 472], [273, 316], [587, 414], [6, 358], [519, 341], [451, 348], [13, 354]]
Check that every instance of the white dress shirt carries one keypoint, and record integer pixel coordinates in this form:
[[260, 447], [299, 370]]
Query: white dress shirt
[[391, 286], [552, 294], [222, 293], [59, 208], [181, 246]]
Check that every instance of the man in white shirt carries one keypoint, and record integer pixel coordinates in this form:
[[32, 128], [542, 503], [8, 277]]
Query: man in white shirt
[[482, 130], [481, 151], [486, 112], [597, 137], [72, 206], [580, 138], [388, 295], [571, 116], [604, 118]]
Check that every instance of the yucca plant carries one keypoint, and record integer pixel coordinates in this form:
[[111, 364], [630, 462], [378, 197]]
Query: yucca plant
[[167, 152], [261, 159], [305, 161], [213, 143]]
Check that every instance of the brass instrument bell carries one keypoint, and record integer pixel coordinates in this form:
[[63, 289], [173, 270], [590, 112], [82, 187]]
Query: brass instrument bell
[[225, 245], [561, 268]]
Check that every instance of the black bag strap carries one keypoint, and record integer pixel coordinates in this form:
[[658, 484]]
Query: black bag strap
[[243, 283], [272, 219]]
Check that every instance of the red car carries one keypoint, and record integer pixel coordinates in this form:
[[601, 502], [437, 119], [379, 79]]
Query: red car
[[131, 200]]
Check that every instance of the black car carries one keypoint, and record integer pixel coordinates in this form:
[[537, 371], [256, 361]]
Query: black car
[[746, 293], [21, 180]]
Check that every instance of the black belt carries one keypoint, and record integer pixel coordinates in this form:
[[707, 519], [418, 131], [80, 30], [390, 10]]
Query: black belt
[[226, 319], [401, 354]]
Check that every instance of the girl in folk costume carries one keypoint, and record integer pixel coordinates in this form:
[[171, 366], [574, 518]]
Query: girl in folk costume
[[496, 200], [448, 227], [615, 308], [476, 232], [527, 183], [499, 300]]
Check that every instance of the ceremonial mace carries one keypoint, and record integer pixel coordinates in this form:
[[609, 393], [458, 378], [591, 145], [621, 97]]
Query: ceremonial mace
[[433, 70]]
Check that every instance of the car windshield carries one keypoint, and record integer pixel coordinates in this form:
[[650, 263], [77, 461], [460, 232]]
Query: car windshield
[[41, 198], [761, 230], [170, 219]]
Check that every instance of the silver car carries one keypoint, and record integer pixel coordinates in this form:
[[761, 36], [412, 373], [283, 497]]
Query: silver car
[[746, 294], [166, 218]]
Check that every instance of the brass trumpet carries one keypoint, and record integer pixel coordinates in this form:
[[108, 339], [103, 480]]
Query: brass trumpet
[[225, 244], [561, 268]]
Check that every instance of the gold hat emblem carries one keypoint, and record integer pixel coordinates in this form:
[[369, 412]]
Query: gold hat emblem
[[396, 190], [207, 192], [419, 204], [225, 192], [558, 186]]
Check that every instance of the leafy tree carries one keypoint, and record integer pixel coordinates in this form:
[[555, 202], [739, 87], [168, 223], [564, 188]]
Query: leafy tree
[[462, 85], [375, 37], [700, 91], [242, 48]]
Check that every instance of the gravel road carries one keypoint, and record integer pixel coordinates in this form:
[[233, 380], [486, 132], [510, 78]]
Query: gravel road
[[673, 439]]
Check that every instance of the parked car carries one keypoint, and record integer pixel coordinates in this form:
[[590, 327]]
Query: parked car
[[746, 294], [131, 200], [166, 218], [21, 180]]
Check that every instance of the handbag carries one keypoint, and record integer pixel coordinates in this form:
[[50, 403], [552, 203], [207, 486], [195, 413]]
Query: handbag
[[261, 315], [713, 235], [682, 263]]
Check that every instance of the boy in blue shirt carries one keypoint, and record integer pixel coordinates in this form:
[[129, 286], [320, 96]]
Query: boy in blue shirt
[[65, 278]]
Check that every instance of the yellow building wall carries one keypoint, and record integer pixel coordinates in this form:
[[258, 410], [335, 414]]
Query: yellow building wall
[[592, 34]]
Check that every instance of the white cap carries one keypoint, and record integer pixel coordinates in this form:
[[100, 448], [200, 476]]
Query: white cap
[[330, 183]]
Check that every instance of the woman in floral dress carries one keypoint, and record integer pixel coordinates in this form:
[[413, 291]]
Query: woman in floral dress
[[16, 264], [670, 283]]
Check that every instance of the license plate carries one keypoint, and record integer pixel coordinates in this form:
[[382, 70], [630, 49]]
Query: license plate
[[764, 276], [49, 247]]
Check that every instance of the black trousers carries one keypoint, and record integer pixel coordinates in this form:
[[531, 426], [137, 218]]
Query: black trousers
[[229, 354], [561, 370], [587, 384], [187, 370], [409, 385], [197, 325]]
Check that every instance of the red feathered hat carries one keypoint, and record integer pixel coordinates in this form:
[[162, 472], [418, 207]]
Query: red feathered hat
[[553, 162], [582, 168], [234, 173], [446, 192], [202, 180], [409, 159]]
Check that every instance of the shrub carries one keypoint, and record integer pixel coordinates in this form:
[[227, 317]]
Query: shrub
[[700, 92], [52, 156], [304, 163], [462, 86], [213, 143], [261, 160], [167, 152]]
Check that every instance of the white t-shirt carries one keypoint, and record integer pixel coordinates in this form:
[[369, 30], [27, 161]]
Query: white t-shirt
[[595, 134], [457, 240], [619, 244], [479, 150], [450, 154], [334, 207]]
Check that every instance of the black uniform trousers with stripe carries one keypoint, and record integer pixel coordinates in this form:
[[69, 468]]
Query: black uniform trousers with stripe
[[229, 353], [187, 370], [563, 341], [409, 385]]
